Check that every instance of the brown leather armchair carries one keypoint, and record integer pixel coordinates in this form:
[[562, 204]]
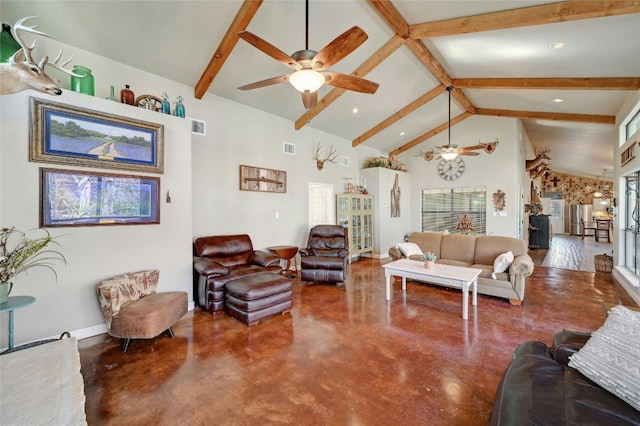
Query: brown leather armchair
[[326, 255], [220, 259]]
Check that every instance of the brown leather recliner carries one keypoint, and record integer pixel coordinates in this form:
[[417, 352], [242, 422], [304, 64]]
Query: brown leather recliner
[[220, 259], [326, 255]]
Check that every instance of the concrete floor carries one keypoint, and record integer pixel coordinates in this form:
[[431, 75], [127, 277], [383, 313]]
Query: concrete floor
[[343, 356]]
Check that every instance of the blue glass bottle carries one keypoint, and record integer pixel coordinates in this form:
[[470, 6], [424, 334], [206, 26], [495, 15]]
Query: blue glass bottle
[[179, 111], [166, 105]]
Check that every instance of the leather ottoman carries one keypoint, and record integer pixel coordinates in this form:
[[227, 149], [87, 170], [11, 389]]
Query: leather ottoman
[[256, 297]]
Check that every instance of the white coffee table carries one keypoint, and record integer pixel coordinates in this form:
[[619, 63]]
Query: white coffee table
[[450, 276]]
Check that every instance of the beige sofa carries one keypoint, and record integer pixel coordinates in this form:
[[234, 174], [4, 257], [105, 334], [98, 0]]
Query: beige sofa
[[479, 252]]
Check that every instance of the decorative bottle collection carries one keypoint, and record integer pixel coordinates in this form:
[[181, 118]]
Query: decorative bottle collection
[[85, 84]]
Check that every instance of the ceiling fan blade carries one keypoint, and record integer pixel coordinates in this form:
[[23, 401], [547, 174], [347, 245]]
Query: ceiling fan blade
[[473, 147], [470, 153], [340, 47], [263, 83], [349, 82], [309, 99], [269, 49]]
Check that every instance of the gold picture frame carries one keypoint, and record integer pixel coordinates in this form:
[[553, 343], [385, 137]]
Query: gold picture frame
[[64, 134]]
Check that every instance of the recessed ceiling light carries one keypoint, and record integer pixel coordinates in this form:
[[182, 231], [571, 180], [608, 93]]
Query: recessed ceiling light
[[558, 45], [355, 110], [402, 133], [558, 100]]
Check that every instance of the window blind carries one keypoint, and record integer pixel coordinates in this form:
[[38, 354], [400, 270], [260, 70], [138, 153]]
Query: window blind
[[442, 207]]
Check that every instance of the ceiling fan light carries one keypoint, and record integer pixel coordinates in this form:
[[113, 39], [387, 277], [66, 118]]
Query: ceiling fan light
[[306, 80], [449, 155]]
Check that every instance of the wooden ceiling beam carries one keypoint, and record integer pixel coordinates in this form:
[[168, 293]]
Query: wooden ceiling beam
[[580, 83], [398, 115], [245, 15], [394, 19], [528, 16], [441, 128], [538, 115], [367, 66]]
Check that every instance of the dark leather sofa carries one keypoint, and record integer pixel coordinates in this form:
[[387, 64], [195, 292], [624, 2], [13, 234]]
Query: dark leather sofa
[[539, 388], [220, 259]]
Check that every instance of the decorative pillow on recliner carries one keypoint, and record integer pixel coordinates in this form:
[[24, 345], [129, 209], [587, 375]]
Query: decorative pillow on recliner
[[410, 249], [610, 356], [502, 263]]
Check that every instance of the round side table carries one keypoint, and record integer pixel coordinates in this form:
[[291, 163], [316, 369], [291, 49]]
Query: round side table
[[13, 303], [287, 253]]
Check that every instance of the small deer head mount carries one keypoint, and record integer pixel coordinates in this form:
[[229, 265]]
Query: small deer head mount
[[21, 72], [331, 157]]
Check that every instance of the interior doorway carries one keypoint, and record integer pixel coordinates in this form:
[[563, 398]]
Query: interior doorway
[[321, 204]]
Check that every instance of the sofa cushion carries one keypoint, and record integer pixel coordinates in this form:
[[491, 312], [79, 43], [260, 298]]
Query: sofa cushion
[[459, 247], [428, 241], [227, 250], [610, 356], [454, 263], [502, 263], [488, 247], [410, 249]]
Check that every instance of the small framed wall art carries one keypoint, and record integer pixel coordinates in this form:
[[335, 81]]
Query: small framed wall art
[[65, 134], [261, 179]]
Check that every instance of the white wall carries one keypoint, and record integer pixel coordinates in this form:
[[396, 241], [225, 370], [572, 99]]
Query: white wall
[[97, 252], [500, 170], [388, 230]]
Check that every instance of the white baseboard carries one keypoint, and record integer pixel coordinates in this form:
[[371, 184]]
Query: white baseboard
[[95, 330]]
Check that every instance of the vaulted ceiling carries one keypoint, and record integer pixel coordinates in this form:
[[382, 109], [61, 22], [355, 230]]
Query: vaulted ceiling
[[496, 54]]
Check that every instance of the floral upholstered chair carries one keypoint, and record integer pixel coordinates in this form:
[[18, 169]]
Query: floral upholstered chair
[[133, 310]]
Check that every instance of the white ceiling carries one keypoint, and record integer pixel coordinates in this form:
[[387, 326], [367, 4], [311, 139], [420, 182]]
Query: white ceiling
[[176, 39]]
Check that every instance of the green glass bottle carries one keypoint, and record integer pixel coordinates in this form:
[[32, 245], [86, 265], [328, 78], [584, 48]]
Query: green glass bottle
[[112, 96], [82, 84], [8, 44]]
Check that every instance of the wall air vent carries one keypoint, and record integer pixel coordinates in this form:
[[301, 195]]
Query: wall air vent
[[288, 148], [344, 161]]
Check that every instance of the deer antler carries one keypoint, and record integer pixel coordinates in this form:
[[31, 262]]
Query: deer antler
[[331, 157], [28, 49]]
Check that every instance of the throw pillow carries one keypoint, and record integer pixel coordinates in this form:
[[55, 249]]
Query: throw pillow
[[409, 249], [502, 263], [611, 357]]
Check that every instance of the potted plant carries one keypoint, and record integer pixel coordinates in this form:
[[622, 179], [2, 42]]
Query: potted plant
[[429, 259], [18, 254]]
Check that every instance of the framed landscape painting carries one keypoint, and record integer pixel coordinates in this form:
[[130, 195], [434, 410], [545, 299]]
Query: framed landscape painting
[[81, 198], [65, 134]]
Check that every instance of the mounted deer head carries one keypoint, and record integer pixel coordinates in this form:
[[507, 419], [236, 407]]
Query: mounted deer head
[[331, 157], [541, 157], [22, 72]]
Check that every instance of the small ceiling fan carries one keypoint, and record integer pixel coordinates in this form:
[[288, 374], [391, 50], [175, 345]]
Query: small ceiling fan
[[310, 66], [451, 151]]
